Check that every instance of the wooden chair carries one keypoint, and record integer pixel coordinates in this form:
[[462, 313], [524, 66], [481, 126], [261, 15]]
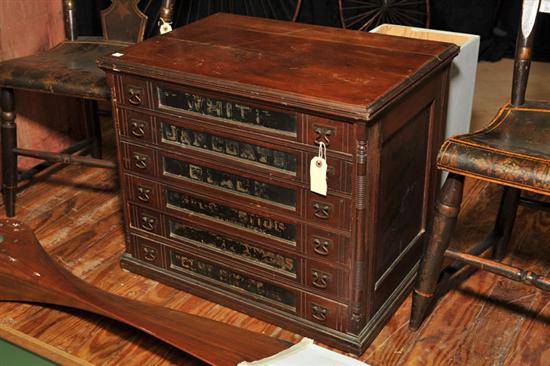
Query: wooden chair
[[513, 151], [68, 69]]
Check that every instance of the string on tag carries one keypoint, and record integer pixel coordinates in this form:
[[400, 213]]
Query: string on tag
[[322, 151]]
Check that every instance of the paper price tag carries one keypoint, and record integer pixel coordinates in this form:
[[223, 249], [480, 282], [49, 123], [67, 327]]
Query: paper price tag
[[318, 171], [165, 27]]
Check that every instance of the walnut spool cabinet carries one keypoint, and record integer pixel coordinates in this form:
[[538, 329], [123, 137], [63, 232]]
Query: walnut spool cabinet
[[216, 125]]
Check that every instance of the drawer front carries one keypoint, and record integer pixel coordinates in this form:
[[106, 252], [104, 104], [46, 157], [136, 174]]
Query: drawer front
[[237, 184], [247, 251], [326, 246], [326, 280], [135, 92], [174, 99], [145, 220], [188, 136], [139, 159], [325, 312], [137, 126], [148, 251], [143, 191], [328, 210], [335, 135], [232, 280]]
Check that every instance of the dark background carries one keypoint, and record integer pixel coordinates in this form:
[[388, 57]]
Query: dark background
[[494, 20]]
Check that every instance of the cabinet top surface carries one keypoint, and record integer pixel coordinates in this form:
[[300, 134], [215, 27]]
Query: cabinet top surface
[[336, 71]]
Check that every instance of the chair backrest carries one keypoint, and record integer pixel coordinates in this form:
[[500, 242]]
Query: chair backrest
[[122, 21], [524, 47]]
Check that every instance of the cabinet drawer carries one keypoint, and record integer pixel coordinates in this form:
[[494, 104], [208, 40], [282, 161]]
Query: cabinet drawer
[[186, 136], [324, 245], [328, 210], [148, 251], [326, 280], [139, 159], [332, 133], [135, 92], [325, 312], [145, 220], [227, 111], [137, 126], [232, 280], [143, 191], [229, 182]]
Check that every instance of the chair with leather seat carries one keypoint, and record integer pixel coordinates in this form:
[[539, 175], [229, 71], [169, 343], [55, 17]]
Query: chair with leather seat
[[514, 152], [68, 69]]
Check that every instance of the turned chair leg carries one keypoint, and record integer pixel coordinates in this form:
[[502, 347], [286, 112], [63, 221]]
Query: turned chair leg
[[439, 235], [94, 128], [505, 220], [9, 143]]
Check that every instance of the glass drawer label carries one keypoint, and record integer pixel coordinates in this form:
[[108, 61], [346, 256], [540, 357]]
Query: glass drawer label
[[234, 248], [235, 112], [186, 137], [232, 182], [254, 222], [228, 277]]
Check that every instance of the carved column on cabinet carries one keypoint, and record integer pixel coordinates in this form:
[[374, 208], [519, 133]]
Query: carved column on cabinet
[[357, 306]]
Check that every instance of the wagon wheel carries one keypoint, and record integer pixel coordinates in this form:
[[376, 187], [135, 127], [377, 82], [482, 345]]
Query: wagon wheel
[[274, 9], [368, 14]]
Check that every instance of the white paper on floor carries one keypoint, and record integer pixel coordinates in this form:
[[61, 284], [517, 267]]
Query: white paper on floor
[[306, 353]]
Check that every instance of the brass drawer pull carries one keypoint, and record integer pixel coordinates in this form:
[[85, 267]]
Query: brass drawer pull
[[144, 194], [138, 128], [319, 313], [322, 210], [150, 254], [134, 95], [322, 246], [148, 223], [320, 279], [141, 161]]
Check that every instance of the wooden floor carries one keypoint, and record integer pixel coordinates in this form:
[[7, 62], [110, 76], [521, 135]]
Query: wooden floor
[[75, 213]]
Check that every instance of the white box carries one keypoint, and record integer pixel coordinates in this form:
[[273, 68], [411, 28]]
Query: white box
[[463, 71]]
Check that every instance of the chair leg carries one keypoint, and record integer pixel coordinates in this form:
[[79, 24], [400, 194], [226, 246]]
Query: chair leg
[[505, 220], [439, 235], [9, 142], [94, 127]]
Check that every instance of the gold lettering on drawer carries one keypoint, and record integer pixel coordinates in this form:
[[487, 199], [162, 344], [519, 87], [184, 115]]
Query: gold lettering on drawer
[[232, 279], [235, 248], [217, 178], [276, 121], [186, 137], [254, 222]]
